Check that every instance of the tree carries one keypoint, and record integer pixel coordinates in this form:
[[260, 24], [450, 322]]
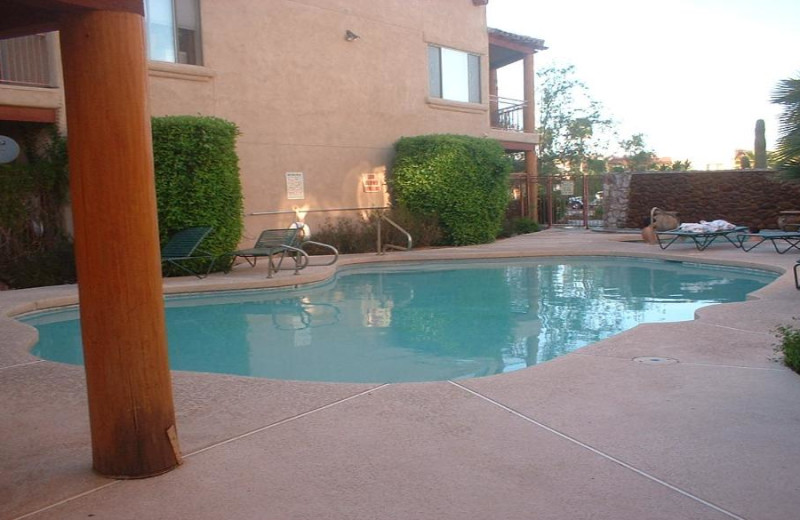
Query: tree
[[787, 154], [573, 130], [638, 157]]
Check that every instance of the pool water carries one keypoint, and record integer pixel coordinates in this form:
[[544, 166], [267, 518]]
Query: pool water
[[415, 322]]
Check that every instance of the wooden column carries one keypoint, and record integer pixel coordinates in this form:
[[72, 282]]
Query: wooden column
[[494, 105], [116, 244], [529, 125]]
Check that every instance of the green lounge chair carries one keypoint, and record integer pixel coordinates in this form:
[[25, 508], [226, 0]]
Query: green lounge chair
[[782, 241], [181, 250], [701, 239], [272, 244]]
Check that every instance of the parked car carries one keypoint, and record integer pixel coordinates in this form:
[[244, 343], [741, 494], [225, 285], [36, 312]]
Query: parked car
[[575, 203]]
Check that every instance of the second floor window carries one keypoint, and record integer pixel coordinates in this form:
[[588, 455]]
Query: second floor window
[[454, 75], [173, 31]]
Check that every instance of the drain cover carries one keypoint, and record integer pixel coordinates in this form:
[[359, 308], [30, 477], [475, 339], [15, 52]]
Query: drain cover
[[652, 360]]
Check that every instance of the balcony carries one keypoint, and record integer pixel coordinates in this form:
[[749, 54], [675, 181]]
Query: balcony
[[26, 61], [507, 114]]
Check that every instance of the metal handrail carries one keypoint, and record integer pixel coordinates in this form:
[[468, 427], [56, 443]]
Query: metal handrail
[[334, 251], [386, 247]]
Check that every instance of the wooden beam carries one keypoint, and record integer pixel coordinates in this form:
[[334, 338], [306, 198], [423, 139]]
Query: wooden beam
[[23, 17], [27, 114], [116, 244]]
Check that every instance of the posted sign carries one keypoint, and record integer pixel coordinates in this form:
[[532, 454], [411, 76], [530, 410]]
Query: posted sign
[[295, 186], [371, 183]]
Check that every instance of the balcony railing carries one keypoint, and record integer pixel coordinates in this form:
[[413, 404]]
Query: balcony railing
[[506, 113], [26, 61]]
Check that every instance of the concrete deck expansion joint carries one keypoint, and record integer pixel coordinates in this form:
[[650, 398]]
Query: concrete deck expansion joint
[[684, 421]]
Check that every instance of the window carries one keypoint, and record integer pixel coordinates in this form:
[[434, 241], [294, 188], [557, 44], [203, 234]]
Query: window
[[454, 75], [173, 31]]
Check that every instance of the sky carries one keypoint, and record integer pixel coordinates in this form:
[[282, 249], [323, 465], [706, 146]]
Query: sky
[[693, 76]]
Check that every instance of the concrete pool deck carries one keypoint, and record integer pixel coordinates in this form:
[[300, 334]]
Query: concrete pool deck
[[593, 434]]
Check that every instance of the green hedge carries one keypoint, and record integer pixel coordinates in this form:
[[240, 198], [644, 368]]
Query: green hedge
[[461, 180], [197, 179]]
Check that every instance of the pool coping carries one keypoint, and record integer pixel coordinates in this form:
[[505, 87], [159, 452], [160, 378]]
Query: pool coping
[[736, 342]]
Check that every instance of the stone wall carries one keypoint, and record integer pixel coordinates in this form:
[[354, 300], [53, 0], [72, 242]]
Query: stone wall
[[752, 198]]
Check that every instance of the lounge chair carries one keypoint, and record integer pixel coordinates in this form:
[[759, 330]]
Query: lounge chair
[[272, 244], [782, 241], [702, 234], [796, 281], [181, 251]]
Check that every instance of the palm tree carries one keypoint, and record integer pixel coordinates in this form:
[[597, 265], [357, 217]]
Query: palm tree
[[787, 154]]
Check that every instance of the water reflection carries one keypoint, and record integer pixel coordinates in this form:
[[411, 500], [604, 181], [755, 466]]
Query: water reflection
[[420, 323]]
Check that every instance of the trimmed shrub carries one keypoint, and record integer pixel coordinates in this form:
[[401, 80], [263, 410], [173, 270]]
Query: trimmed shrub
[[519, 226], [197, 179], [460, 180]]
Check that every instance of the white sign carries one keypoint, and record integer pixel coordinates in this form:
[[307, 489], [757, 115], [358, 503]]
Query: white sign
[[567, 187], [295, 186]]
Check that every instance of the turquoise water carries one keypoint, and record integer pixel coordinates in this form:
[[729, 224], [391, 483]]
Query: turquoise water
[[428, 322]]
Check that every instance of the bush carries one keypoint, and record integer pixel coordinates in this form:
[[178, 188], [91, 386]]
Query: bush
[[460, 180], [197, 179], [34, 248], [361, 235], [524, 225], [790, 346]]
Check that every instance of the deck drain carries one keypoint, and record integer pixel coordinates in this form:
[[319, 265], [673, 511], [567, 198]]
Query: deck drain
[[652, 360]]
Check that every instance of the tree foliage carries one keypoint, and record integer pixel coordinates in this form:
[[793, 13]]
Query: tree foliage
[[572, 127], [787, 153]]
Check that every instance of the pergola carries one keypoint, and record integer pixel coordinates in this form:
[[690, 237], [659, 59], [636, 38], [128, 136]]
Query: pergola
[[116, 229]]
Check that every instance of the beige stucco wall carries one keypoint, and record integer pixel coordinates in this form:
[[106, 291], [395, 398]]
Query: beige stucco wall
[[308, 101]]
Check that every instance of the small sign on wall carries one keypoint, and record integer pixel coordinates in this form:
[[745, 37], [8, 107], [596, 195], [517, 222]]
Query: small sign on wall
[[567, 187], [371, 182], [295, 186]]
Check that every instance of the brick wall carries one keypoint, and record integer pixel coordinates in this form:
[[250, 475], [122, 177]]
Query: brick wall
[[743, 197]]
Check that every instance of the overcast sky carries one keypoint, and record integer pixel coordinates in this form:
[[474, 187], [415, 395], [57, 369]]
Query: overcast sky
[[692, 75]]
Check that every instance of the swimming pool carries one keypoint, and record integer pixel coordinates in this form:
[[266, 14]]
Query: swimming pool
[[422, 322]]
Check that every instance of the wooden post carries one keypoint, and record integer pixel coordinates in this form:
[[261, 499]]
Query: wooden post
[[116, 244], [529, 125]]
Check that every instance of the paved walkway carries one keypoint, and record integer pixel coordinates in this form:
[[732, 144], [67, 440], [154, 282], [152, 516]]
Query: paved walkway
[[591, 435]]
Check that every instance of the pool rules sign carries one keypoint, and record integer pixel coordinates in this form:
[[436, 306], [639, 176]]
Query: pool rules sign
[[371, 182]]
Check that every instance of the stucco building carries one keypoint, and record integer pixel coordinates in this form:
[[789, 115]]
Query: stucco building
[[320, 90]]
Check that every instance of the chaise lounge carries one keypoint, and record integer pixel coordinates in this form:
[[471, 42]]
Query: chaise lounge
[[272, 244], [181, 251], [702, 234], [782, 241]]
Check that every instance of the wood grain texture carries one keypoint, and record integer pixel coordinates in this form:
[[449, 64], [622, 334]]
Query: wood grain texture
[[116, 243]]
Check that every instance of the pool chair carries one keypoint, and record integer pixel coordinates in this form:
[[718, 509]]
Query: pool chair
[[181, 251], [701, 236], [782, 241], [275, 245], [796, 281]]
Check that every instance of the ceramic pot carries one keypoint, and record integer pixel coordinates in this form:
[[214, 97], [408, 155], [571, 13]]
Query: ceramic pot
[[789, 221]]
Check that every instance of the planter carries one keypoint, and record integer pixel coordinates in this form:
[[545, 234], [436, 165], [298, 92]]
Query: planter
[[789, 221]]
